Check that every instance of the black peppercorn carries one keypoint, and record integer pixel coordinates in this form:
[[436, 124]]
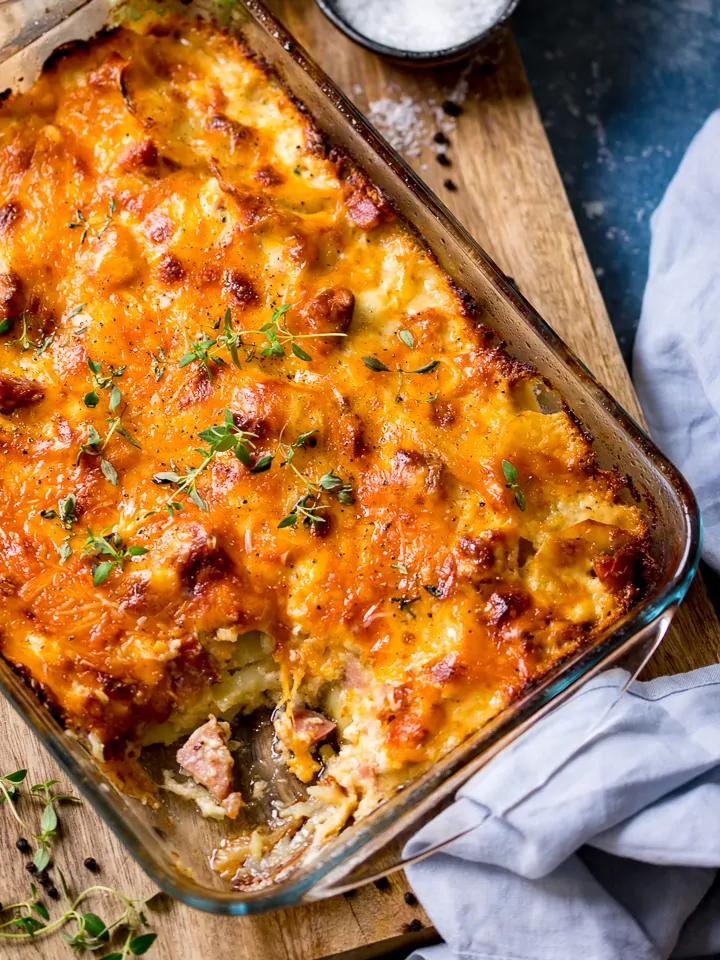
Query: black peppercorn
[[22, 845], [382, 883], [43, 879], [440, 137], [451, 108], [450, 185], [91, 864], [410, 899], [52, 893], [413, 927], [31, 868], [443, 159]]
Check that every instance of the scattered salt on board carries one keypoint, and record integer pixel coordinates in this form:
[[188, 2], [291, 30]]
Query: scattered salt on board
[[421, 25]]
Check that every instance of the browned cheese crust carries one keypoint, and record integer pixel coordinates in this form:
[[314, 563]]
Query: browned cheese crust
[[152, 180]]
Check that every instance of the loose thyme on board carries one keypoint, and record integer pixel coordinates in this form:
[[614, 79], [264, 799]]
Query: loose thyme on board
[[31, 919]]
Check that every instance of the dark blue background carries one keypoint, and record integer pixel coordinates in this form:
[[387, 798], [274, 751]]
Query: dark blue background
[[622, 86]]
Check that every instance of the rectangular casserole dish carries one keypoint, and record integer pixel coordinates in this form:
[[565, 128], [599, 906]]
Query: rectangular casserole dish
[[176, 860]]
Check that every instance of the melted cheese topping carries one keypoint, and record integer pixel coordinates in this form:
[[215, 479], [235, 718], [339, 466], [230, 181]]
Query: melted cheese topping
[[152, 180]]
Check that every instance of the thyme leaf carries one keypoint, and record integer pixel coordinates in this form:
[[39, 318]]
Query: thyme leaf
[[109, 471], [158, 363], [427, 367], [68, 511], [511, 478], [372, 363], [76, 310]]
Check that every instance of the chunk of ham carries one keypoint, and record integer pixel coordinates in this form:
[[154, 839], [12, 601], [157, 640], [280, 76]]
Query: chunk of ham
[[205, 756], [312, 726], [18, 392], [329, 312]]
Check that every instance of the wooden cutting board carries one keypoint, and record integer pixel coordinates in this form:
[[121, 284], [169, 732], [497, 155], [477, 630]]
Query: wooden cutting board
[[511, 198]]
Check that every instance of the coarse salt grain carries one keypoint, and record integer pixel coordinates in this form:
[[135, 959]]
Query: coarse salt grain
[[401, 123], [410, 125], [421, 25]]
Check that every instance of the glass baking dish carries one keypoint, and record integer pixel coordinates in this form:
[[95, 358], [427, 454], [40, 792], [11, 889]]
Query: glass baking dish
[[171, 845]]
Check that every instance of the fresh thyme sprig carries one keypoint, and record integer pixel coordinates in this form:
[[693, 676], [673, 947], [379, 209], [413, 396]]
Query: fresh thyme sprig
[[224, 436], [231, 339], [102, 382], [9, 790], [511, 478], [91, 932], [405, 603], [116, 426], [335, 484], [108, 545], [94, 228], [67, 513], [95, 444], [204, 350], [23, 341], [200, 351], [308, 508], [279, 337], [30, 918], [377, 366], [93, 447], [48, 821]]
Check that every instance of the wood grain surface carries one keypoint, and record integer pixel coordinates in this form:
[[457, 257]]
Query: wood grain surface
[[511, 198]]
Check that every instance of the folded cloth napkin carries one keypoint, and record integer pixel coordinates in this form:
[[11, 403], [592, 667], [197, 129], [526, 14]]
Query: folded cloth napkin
[[601, 840], [676, 365], [597, 833]]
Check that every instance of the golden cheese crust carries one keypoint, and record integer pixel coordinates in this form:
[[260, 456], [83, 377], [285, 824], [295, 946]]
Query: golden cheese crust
[[382, 495]]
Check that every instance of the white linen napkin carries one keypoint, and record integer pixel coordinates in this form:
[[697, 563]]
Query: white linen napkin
[[601, 842], [592, 842], [676, 364]]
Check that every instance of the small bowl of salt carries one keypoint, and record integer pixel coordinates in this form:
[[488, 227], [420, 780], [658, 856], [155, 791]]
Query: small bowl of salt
[[419, 32]]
